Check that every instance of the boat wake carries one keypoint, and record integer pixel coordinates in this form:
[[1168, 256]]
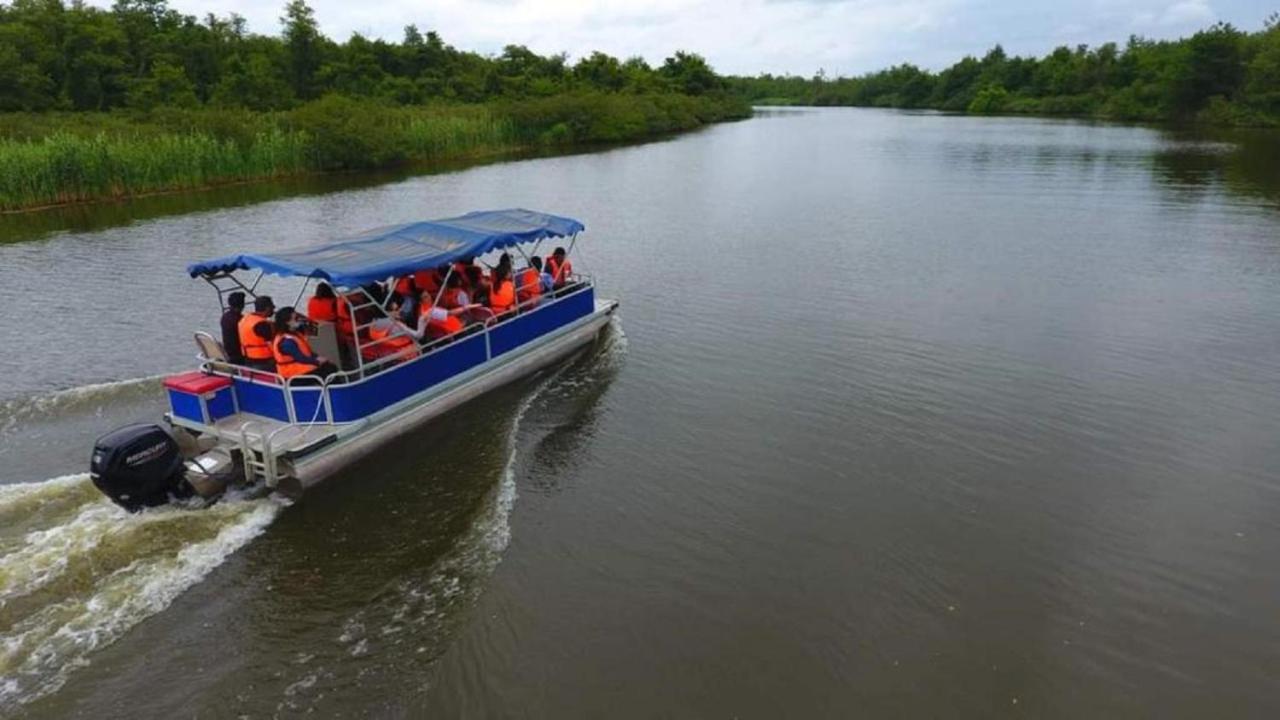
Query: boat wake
[[410, 624], [84, 399], [77, 572]]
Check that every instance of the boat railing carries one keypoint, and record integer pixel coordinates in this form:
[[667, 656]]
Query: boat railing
[[324, 385]]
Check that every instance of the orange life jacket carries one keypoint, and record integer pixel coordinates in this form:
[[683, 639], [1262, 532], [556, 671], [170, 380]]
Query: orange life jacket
[[559, 272], [530, 285], [426, 281], [403, 288], [441, 327], [322, 309], [502, 297], [253, 347], [344, 313], [450, 299], [286, 366], [383, 343]]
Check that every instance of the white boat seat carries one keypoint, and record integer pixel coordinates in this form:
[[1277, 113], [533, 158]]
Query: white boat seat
[[212, 352], [210, 348]]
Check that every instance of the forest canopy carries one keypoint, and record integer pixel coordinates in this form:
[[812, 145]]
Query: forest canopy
[[1219, 75], [142, 54]]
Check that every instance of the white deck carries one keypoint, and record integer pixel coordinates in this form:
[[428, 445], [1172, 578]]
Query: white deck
[[286, 436]]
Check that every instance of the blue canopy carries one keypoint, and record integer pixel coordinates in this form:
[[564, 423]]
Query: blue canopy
[[401, 249]]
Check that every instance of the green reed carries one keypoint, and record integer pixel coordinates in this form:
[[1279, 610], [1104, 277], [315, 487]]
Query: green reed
[[58, 158]]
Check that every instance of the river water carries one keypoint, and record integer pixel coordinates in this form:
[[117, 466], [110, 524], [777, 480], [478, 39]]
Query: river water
[[904, 415]]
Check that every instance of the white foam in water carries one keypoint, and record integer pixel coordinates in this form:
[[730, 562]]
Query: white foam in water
[[14, 410], [127, 567]]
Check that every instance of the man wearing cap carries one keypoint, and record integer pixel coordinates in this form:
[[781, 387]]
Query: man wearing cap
[[255, 335], [231, 327]]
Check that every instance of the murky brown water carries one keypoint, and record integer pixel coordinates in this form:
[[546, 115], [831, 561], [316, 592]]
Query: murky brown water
[[906, 415]]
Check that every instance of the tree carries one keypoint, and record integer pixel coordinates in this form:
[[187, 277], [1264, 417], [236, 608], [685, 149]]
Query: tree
[[600, 71], [690, 73], [1209, 65], [302, 39], [167, 85], [254, 83]]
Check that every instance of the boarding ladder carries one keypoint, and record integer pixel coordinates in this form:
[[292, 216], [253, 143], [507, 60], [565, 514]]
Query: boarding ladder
[[259, 462]]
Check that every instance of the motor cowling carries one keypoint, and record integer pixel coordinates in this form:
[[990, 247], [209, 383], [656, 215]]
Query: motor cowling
[[139, 466]]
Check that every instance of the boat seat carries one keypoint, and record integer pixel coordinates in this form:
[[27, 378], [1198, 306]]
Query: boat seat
[[212, 352], [210, 348]]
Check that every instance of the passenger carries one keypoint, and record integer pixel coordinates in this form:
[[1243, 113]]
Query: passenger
[[231, 328], [428, 280], [358, 299], [560, 268], [406, 297], [529, 284], [502, 298], [454, 295], [463, 268], [292, 352], [477, 284], [323, 306], [406, 287], [437, 322], [546, 284], [255, 335], [344, 314], [388, 337]]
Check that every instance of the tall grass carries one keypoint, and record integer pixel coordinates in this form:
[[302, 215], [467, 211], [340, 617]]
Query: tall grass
[[63, 168], [53, 158]]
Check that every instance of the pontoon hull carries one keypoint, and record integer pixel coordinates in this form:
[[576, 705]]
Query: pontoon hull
[[404, 418]]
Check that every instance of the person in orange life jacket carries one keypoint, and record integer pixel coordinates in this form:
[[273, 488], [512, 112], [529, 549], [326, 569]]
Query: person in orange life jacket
[[429, 280], [406, 287], [559, 267], [323, 306], [406, 296], [477, 285], [502, 298], [372, 292], [454, 296], [440, 321], [463, 268], [528, 284], [389, 337], [231, 328], [255, 334], [547, 284], [292, 352]]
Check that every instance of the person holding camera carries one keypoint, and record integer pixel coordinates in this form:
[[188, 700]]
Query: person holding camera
[[293, 354]]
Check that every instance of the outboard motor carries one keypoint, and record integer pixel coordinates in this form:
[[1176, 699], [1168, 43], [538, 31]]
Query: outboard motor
[[139, 466]]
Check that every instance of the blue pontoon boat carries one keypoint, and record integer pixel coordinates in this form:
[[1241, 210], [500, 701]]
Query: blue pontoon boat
[[235, 426]]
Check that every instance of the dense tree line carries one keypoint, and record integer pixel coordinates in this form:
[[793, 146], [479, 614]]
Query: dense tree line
[[142, 54], [1218, 75]]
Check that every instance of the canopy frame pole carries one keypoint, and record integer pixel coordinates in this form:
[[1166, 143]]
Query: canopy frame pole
[[224, 291], [301, 292], [444, 284], [573, 242], [355, 330], [261, 274], [520, 248]]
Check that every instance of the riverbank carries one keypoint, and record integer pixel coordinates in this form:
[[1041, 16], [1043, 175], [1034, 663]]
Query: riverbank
[[52, 159], [1220, 77]]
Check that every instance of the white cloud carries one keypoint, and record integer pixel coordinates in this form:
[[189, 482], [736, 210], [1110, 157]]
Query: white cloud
[[1187, 13]]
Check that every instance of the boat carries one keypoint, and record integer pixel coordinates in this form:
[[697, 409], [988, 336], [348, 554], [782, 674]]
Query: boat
[[231, 426]]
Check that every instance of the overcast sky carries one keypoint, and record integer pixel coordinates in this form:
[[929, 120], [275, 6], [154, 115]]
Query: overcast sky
[[752, 36]]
